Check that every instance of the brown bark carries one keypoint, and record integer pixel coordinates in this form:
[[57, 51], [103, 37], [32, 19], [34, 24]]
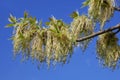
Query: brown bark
[[98, 33]]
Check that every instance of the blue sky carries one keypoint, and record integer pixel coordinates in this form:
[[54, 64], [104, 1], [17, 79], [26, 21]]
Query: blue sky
[[82, 66]]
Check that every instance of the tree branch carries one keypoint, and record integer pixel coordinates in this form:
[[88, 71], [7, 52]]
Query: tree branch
[[117, 8], [98, 33], [117, 31]]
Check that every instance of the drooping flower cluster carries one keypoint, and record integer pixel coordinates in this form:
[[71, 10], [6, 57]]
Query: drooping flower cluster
[[82, 26], [108, 49], [51, 44], [100, 10]]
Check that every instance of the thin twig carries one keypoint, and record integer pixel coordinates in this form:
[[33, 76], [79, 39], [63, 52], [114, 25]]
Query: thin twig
[[117, 31], [98, 33], [117, 8]]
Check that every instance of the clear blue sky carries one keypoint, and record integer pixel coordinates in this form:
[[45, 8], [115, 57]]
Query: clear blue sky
[[82, 66]]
